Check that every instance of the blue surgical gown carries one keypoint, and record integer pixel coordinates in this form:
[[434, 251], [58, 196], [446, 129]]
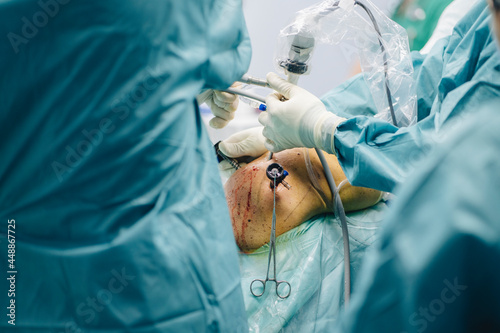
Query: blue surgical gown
[[460, 73], [436, 266], [106, 168]]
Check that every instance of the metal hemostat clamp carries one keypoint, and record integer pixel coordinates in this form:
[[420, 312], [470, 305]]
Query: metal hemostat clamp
[[277, 174]]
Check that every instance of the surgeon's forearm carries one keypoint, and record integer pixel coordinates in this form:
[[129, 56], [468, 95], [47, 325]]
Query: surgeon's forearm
[[376, 154]]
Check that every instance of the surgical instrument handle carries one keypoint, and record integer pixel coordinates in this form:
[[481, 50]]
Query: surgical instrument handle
[[254, 80], [245, 94], [278, 283]]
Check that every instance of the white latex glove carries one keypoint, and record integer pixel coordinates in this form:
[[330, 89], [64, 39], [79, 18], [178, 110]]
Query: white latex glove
[[300, 121], [249, 142], [222, 104]]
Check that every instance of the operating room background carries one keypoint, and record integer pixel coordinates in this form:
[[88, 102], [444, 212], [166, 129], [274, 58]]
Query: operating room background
[[265, 19]]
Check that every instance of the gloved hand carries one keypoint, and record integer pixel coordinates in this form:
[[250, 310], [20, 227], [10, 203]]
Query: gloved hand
[[249, 142], [300, 121], [222, 104]]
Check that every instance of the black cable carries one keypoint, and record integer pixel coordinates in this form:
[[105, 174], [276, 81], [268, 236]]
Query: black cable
[[340, 212], [386, 66]]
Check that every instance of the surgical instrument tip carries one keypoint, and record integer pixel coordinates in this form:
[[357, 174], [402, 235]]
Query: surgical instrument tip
[[288, 186]]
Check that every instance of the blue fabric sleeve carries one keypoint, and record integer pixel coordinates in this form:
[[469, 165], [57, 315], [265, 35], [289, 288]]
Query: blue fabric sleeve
[[455, 77], [435, 268]]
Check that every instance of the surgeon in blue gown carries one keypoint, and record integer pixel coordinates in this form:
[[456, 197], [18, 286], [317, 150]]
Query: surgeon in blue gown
[[436, 268], [459, 74], [107, 174]]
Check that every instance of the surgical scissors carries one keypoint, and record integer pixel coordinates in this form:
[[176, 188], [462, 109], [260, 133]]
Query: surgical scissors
[[272, 255]]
